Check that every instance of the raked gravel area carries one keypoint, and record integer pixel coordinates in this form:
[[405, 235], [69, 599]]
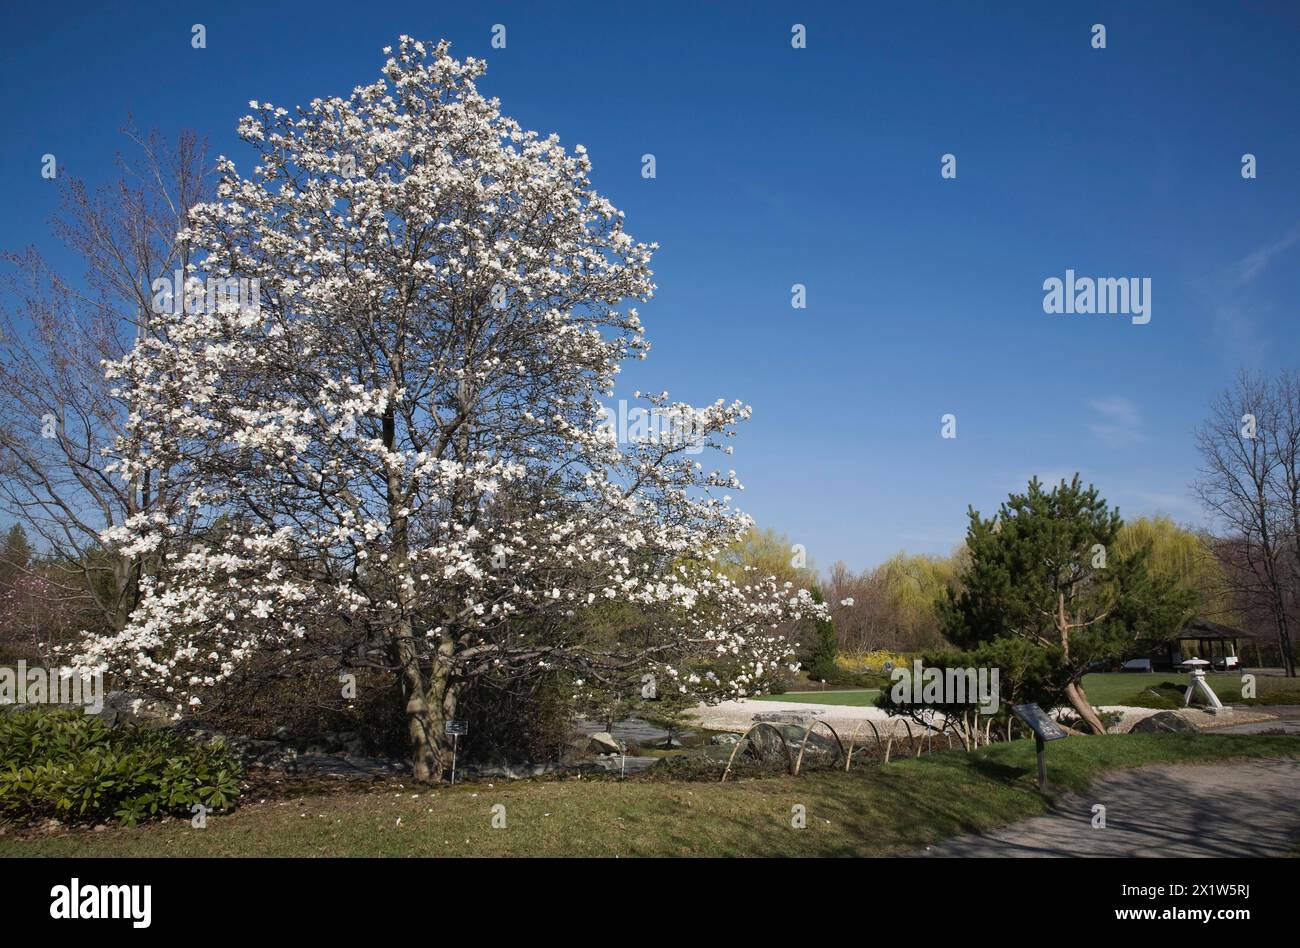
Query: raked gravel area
[[739, 715]]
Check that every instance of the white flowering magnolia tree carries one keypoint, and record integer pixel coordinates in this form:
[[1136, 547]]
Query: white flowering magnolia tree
[[396, 457]]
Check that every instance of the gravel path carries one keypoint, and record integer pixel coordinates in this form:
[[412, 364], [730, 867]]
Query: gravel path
[[1246, 808]]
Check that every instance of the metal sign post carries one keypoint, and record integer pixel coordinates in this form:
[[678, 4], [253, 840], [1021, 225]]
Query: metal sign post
[[1045, 729], [455, 729]]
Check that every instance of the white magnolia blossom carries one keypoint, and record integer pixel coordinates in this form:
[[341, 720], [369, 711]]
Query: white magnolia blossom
[[398, 457]]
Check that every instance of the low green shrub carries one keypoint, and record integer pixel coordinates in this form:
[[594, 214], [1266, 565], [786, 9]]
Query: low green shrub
[[1151, 698], [73, 767], [1109, 719], [1267, 698]]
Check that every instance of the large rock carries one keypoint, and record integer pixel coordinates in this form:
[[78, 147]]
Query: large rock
[[764, 744], [1164, 722], [602, 742], [780, 718], [123, 707]]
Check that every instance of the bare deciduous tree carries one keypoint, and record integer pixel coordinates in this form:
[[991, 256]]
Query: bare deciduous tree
[[58, 414], [1249, 483]]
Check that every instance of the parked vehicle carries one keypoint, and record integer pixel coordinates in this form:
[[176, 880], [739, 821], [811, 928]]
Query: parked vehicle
[[1137, 665]]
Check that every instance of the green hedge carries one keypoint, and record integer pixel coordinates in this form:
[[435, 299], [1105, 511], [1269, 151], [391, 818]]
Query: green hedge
[[73, 767]]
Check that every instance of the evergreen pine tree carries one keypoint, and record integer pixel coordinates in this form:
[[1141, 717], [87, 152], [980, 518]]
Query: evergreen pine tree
[[1047, 569], [825, 646]]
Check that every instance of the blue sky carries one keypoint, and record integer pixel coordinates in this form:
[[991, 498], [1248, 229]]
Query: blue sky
[[821, 166]]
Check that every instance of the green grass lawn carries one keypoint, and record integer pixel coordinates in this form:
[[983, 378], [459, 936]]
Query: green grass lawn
[[1105, 688], [1118, 687], [857, 697], [877, 810]]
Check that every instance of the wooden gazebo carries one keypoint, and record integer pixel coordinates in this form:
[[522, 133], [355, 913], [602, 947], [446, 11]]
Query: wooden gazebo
[[1211, 641]]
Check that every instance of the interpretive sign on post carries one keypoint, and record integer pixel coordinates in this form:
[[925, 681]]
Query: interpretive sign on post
[[1045, 729]]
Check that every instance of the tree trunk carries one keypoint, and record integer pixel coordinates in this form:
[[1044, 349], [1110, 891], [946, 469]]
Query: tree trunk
[[423, 720], [430, 704], [1074, 692], [1278, 601], [1083, 707], [423, 725], [427, 714], [431, 701], [1284, 636]]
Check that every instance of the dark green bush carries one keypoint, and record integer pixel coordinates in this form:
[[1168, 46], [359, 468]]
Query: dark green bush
[[1151, 698], [1267, 698], [307, 701], [73, 767], [825, 644], [530, 720]]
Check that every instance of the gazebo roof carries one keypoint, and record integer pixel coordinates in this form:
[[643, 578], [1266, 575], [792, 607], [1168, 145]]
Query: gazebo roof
[[1200, 629]]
